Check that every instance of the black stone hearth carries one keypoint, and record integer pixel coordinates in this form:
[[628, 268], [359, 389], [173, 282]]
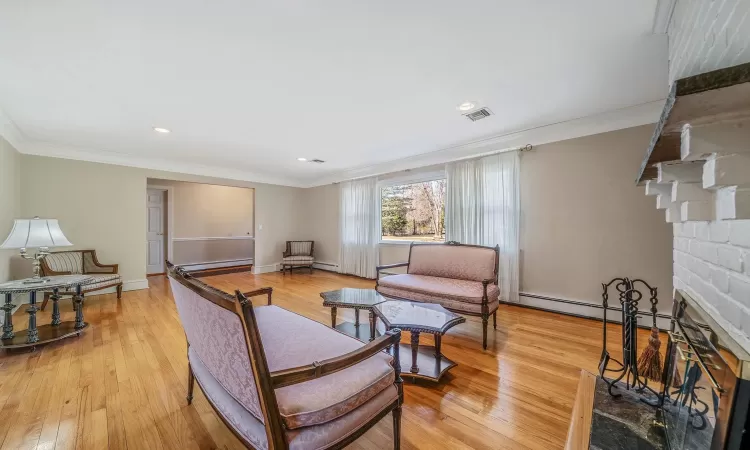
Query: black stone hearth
[[624, 423]]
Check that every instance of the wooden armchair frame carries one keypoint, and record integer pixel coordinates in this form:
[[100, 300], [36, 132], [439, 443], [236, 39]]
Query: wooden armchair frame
[[268, 381], [94, 268], [485, 313], [292, 265]]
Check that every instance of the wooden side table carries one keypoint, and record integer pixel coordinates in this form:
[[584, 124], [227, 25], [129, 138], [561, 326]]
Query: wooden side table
[[57, 329]]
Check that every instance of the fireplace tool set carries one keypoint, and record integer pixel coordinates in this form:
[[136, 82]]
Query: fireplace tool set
[[632, 371]]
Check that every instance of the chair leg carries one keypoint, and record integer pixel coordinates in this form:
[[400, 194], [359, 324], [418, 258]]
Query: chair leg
[[494, 319], [485, 319], [119, 291], [46, 300], [397, 428], [191, 384]]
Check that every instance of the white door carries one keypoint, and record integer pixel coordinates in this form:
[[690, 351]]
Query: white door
[[155, 235]]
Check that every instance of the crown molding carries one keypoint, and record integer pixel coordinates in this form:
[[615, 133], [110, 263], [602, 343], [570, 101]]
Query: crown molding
[[633, 116], [10, 132], [663, 15], [52, 150]]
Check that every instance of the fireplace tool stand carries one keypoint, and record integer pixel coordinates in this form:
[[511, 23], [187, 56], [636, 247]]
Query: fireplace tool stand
[[627, 369]]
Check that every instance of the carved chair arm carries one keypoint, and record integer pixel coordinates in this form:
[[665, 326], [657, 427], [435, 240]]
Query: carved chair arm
[[103, 268], [378, 269], [485, 283], [320, 369], [262, 291]]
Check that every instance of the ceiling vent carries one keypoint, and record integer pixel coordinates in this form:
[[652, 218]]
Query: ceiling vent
[[317, 161], [479, 114]]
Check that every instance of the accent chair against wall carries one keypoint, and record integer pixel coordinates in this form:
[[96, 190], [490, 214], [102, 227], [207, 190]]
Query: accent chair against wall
[[82, 262], [298, 254]]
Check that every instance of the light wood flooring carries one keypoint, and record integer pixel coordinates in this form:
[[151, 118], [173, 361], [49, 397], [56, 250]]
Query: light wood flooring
[[122, 383]]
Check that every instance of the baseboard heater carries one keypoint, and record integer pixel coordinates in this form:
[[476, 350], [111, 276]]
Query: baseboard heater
[[579, 304]]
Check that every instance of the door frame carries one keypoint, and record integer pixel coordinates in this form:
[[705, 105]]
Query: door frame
[[170, 215]]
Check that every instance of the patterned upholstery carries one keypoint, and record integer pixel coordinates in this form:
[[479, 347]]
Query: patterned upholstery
[[102, 281], [65, 262], [455, 305], [217, 337], [314, 402], [449, 261], [314, 437], [297, 259], [446, 288], [300, 248]]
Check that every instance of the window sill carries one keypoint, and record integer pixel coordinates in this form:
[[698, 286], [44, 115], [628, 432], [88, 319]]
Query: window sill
[[386, 242]]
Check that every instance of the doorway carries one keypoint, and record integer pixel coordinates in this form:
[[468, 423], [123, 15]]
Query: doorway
[[158, 238]]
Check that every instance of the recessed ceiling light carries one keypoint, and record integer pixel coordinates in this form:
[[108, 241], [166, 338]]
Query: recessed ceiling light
[[161, 130], [465, 106], [301, 159]]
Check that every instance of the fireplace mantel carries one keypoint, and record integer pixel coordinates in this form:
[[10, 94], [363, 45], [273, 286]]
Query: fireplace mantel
[[698, 160]]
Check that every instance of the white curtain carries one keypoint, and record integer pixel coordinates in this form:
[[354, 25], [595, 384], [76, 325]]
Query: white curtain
[[482, 207], [359, 222]]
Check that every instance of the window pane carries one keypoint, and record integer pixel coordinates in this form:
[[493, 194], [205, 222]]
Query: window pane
[[413, 212]]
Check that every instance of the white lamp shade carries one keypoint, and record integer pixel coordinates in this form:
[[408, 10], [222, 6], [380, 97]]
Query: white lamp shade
[[35, 233]]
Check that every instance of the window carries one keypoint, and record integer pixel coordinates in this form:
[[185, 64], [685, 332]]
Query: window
[[413, 212]]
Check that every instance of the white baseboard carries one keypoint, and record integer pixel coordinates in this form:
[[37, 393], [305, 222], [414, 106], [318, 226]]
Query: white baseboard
[[217, 265], [266, 269], [594, 311], [332, 267]]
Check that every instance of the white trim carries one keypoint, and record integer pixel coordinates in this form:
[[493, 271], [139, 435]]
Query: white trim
[[412, 178], [218, 264], [593, 312], [170, 216], [266, 269], [10, 132], [397, 242], [331, 267], [216, 238], [53, 150], [632, 116], [663, 16]]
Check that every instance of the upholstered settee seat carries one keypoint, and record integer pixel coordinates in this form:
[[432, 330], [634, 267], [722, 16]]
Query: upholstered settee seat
[[102, 281], [297, 259], [291, 340], [445, 288], [313, 437]]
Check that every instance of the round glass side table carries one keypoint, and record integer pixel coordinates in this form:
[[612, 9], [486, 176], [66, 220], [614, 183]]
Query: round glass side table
[[37, 335]]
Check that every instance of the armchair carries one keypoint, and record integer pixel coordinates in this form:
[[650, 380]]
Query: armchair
[[298, 254], [81, 262], [279, 380]]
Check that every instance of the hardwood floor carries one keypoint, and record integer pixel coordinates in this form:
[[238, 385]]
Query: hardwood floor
[[122, 384]]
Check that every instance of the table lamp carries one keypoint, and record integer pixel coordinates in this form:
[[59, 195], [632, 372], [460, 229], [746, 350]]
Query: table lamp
[[35, 233]]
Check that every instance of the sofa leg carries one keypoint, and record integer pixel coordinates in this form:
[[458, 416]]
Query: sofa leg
[[119, 291], [494, 319], [46, 300], [397, 428], [485, 319], [191, 384]]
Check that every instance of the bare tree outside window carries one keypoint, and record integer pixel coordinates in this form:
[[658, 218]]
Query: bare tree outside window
[[413, 212]]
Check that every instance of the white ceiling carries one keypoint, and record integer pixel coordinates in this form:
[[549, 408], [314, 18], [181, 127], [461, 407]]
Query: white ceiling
[[249, 86]]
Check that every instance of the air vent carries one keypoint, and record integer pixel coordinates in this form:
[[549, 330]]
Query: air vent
[[317, 161], [478, 114]]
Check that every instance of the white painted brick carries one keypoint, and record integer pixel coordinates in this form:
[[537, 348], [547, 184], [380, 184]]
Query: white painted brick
[[706, 251], [682, 244], [730, 258], [720, 279], [739, 233], [718, 231], [700, 268], [739, 289], [688, 230], [746, 261], [677, 230], [701, 231]]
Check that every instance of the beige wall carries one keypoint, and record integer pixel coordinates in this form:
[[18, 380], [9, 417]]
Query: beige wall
[[322, 221], [101, 206], [583, 221], [10, 200], [209, 210]]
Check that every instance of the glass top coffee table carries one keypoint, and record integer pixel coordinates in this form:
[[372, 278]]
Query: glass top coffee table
[[356, 299], [427, 362]]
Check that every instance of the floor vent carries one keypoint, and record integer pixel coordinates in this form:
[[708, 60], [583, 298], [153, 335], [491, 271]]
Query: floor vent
[[478, 114]]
